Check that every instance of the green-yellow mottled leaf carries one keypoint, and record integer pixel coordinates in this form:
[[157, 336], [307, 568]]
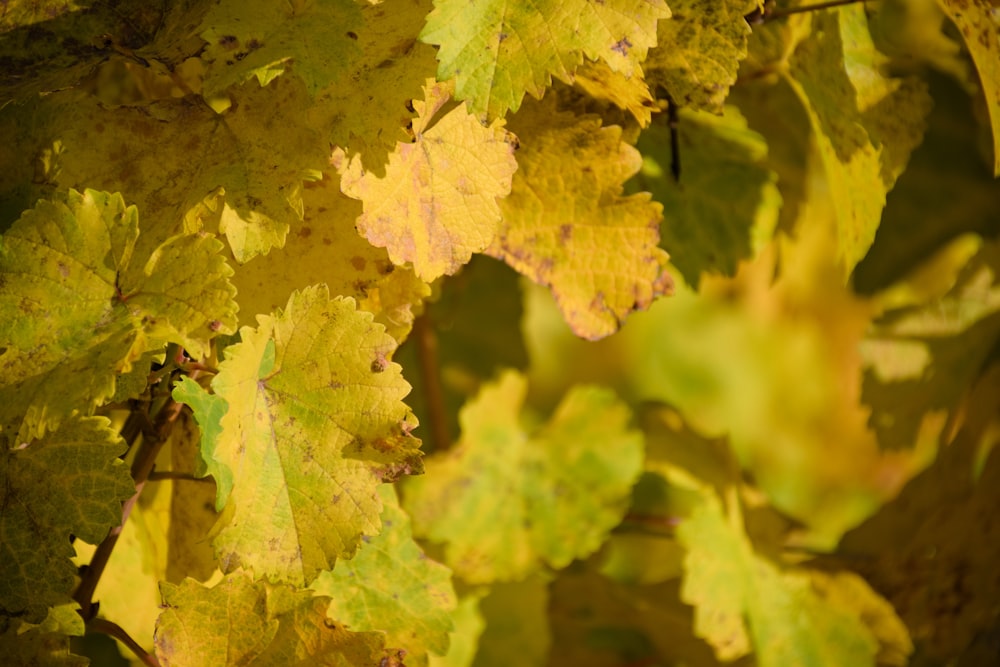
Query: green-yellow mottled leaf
[[498, 50], [699, 51], [69, 481], [249, 161], [510, 498], [570, 228], [21, 644], [390, 586], [315, 423], [865, 124], [208, 411], [261, 39], [325, 247], [77, 305], [437, 203], [242, 622], [979, 24], [725, 204], [744, 602], [464, 639], [630, 93]]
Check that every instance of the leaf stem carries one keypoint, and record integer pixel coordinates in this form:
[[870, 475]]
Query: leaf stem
[[427, 356], [111, 629], [159, 476], [780, 13]]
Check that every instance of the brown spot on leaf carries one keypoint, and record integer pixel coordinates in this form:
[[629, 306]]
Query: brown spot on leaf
[[358, 263], [228, 41], [622, 46], [353, 35], [305, 232]]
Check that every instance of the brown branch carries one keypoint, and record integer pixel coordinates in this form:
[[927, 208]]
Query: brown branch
[[770, 14], [158, 476], [142, 466], [106, 627], [427, 356]]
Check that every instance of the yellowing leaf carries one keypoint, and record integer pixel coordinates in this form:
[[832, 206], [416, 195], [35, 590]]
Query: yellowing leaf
[[20, 644], [569, 228], [241, 622], [315, 423], [436, 204], [70, 481], [864, 123], [979, 24], [508, 499], [698, 51], [497, 50], [261, 39], [92, 306], [740, 597], [325, 247], [630, 93], [392, 587]]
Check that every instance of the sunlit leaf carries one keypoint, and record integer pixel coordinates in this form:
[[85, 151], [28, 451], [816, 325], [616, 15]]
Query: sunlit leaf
[[392, 587], [315, 423], [499, 50], [570, 228], [437, 203]]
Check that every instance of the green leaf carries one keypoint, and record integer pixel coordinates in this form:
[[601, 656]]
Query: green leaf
[[315, 423], [78, 306], [517, 628], [240, 622], [498, 50], [865, 124], [571, 230], [698, 52], [980, 29], [740, 596], [21, 644], [392, 587], [209, 410], [261, 39], [726, 203], [69, 481], [510, 498], [437, 203]]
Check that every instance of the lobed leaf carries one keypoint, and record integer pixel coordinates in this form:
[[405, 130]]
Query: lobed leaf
[[865, 123], [698, 52], [498, 50], [392, 587], [508, 499], [242, 622], [437, 203], [980, 29], [571, 230], [69, 481], [315, 423]]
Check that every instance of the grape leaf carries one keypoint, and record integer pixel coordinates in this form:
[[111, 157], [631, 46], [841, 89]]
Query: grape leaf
[[980, 29], [698, 52], [208, 412], [740, 596], [261, 39], [250, 161], [865, 124], [508, 499], [242, 622], [517, 628], [315, 423], [89, 303], [69, 481], [571, 230], [325, 247], [498, 50], [630, 93], [436, 204], [464, 639], [21, 644], [726, 203], [392, 587], [923, 357]]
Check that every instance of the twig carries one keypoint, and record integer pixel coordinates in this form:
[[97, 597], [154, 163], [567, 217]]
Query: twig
[[768, 14], [158, 476], [106, 627], [427, 356]]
